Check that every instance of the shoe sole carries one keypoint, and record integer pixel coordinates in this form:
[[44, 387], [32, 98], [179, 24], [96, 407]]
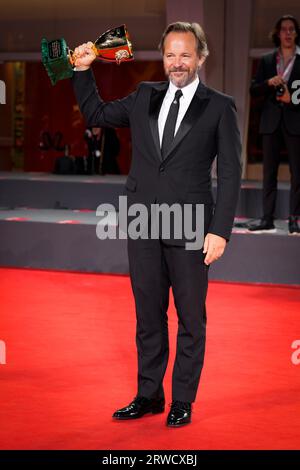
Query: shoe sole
[[178, 425]]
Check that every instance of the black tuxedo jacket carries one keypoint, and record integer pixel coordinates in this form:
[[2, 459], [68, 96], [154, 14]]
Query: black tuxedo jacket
[[209, 128], [272, 109]]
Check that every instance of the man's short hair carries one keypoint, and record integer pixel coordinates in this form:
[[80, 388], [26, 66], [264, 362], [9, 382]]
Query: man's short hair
[[183, 27]]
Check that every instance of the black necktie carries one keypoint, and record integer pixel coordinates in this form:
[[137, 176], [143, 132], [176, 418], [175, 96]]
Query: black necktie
[[169, 130]]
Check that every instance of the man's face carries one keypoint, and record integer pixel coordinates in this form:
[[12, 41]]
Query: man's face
[[181, 60], [287, 34]]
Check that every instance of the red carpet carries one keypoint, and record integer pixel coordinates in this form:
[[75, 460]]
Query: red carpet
[[70, 362]]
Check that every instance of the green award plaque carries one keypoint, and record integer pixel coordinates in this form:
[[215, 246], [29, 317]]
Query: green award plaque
[[55, 57]]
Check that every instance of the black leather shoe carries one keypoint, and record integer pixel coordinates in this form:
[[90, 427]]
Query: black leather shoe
[[294, 228], [139, 407], [264, 225], [180, 414]]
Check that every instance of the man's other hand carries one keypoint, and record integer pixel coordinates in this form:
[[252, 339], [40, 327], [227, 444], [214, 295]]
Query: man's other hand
[[214, 247], [276, 81]]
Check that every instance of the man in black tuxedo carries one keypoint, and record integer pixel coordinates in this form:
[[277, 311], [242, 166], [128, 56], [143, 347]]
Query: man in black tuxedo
[[177, 127], [280, 119]]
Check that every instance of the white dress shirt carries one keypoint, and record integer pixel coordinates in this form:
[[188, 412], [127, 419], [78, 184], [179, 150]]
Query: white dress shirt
[[184, 102]]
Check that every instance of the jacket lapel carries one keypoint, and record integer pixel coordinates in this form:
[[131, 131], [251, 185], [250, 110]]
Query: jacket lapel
[[273, 68], [295, 73], [157, 97], [195, 110]]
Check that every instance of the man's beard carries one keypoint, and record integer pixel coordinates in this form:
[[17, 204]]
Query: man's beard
[[186, 76]]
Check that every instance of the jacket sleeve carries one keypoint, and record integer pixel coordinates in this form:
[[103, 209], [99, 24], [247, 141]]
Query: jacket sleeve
[[96, 112], [228, 172]]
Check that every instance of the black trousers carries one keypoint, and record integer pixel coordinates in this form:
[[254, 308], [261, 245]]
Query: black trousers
[[154, 268], [271, 159]]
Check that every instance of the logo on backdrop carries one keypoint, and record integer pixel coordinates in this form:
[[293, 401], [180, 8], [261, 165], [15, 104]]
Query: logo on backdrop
[[2, 352], [2, 92], [295, 357]]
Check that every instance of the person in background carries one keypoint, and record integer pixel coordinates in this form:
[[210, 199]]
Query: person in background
[[103, 150], [280, 120]]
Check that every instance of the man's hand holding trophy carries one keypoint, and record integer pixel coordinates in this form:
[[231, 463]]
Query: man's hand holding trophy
[[60, 61], [83, 56]]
